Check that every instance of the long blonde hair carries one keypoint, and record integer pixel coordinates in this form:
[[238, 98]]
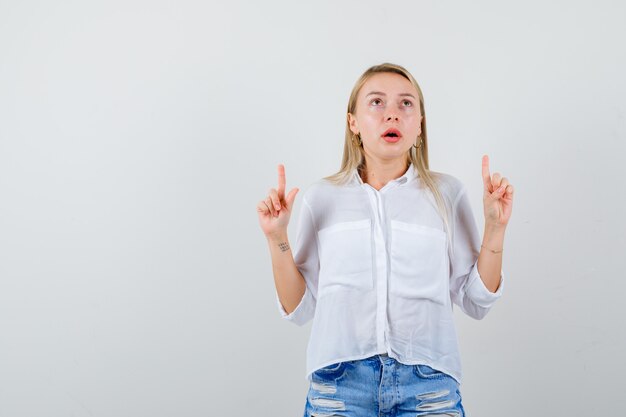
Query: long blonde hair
[[353, 157]]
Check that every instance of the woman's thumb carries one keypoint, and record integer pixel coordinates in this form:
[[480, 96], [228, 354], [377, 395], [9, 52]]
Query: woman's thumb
[[291, 197]]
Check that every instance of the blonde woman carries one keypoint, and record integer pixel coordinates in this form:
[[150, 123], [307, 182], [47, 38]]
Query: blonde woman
[[384, 249]]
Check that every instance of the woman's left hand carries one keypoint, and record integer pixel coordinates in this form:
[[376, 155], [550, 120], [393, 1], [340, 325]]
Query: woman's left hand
[[497, 197]]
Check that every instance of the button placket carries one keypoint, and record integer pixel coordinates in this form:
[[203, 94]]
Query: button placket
[[380, 254]]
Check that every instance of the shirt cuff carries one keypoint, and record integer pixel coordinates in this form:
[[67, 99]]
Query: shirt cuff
[[477, 291]]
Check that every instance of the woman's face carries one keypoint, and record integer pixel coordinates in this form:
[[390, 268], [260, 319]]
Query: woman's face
[[387, 101]]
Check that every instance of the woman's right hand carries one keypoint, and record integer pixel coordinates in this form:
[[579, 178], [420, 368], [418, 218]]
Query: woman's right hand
[[274, 211]]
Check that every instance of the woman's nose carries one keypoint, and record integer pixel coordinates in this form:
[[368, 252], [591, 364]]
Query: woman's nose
[[391, 116]]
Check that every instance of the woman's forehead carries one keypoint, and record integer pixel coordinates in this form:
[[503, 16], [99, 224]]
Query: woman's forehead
[[389, 84]]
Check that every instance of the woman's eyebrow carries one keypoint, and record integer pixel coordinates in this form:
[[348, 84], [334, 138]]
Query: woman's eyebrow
[[383, 94]]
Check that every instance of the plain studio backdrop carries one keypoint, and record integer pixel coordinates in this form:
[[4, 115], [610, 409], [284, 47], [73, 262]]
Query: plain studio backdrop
[[136, 139]]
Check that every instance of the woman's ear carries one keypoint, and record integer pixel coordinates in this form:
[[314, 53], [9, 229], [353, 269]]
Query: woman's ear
[[354, 125]]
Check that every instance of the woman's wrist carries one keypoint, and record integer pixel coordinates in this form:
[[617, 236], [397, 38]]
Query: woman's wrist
[[277, 238], [493, 238], [492, 250]]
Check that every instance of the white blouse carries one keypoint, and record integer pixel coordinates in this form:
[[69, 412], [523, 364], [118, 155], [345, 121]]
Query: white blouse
[[380, 275]]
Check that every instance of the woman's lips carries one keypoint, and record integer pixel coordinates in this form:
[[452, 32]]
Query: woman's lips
[[391, 139], [392, 135]]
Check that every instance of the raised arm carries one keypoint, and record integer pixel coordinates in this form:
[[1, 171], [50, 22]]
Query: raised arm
[[498, 205], [274, 214]]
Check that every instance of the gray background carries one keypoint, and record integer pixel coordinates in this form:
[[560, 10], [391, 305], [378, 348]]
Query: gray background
[[136, 139]]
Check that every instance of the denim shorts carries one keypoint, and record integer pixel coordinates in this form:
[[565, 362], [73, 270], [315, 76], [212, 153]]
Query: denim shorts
[[380, 386]]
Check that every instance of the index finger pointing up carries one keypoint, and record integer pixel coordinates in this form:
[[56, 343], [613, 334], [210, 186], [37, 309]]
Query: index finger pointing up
[[281, 181], [486, 175]]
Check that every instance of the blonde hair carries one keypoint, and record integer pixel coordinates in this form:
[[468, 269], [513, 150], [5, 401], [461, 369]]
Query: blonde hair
[[353, 157]]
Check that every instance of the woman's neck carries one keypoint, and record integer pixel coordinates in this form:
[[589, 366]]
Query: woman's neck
[[379, 173]]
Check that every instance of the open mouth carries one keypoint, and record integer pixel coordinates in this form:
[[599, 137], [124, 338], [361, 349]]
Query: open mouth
[[392, 133]]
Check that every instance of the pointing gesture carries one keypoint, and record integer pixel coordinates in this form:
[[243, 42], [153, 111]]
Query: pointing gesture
[[274, 211], [281, 182], [497, 197]]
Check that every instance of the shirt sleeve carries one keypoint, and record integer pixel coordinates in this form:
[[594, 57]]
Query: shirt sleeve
[[467, 289], [305, 254]]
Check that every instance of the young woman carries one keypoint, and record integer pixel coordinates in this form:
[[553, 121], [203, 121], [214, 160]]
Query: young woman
[[383, 250]]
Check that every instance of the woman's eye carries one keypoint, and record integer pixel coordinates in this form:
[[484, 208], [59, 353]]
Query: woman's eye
[[407, 103]]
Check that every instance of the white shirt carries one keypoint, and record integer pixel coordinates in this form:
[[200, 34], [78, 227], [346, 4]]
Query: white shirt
[[380, 277]]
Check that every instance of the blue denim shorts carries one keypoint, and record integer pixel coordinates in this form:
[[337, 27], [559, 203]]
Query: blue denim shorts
[[381, 386]]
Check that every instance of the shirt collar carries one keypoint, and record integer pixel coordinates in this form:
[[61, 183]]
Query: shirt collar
[[410, 173]]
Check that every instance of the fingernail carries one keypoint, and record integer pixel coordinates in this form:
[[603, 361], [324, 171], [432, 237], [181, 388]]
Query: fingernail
[[277, 206], [501, 188]]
